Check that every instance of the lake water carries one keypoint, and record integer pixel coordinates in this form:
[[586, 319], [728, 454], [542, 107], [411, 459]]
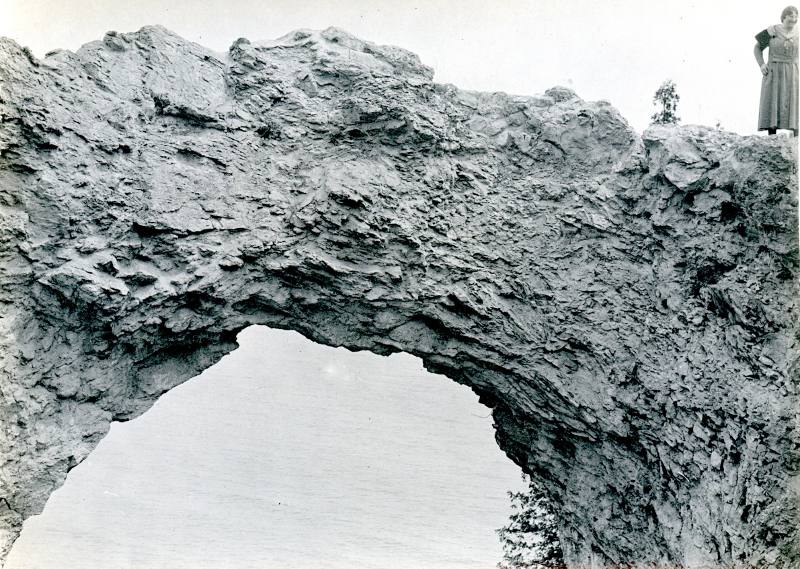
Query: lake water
[[287, 454]]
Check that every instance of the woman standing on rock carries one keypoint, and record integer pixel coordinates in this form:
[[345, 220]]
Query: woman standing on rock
[[778, 108]]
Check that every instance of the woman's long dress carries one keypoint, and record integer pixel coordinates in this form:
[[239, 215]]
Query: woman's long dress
[[778, 107]]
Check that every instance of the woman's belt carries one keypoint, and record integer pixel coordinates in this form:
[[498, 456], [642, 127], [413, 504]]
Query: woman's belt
[[782, 60]]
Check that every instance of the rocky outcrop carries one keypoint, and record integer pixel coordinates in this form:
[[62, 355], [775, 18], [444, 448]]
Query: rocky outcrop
[[626, 305]]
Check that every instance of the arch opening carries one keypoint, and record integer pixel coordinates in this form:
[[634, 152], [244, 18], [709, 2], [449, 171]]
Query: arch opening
[[287, 453]]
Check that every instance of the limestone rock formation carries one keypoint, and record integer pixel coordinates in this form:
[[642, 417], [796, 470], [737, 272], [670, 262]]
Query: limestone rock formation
[[627, 305]]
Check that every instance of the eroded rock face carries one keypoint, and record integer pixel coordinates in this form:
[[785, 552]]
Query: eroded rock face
[[626, 305]]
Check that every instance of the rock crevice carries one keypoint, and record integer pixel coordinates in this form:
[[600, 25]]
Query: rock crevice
[[627, 305]]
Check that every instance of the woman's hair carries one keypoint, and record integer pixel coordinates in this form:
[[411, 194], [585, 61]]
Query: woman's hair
[[788, 10]]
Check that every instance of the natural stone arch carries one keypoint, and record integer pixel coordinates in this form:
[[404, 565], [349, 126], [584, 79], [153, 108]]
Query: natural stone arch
[[626, 305]]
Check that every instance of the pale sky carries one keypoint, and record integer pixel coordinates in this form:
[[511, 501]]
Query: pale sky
[[617, 50]]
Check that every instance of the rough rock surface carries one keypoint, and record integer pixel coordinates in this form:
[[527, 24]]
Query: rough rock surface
[[626, 305]]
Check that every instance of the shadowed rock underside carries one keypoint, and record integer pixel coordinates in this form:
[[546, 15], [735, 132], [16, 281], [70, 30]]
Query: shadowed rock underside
[[626, 305]]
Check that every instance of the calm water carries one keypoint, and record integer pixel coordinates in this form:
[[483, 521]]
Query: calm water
[[287, 454]]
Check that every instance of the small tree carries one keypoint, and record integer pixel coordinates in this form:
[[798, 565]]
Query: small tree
[[666, 102], [530, 540]]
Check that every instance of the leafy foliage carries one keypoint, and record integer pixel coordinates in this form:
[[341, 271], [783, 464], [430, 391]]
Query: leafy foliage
[[530, 540], [666, 102]]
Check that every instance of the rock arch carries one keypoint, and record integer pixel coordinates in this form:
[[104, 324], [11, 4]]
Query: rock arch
[[625, 304]]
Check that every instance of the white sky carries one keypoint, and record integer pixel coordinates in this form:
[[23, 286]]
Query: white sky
[[617, 50]]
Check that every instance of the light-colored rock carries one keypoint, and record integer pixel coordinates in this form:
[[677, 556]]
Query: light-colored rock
[[626, 305]]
